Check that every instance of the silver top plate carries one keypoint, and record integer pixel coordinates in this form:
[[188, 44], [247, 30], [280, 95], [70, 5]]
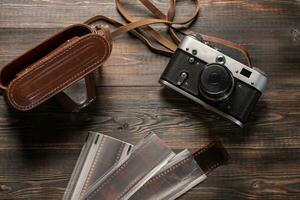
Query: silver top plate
[[209, 55]]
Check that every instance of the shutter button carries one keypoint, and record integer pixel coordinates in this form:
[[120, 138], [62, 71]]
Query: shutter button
[[182, 77], [191, 60]]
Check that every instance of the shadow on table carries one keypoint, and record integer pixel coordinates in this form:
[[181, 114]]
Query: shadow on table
[[49, 128], [217, 126], [43, 131]]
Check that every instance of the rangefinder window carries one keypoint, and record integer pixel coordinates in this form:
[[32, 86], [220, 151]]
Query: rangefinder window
[[246, 73]]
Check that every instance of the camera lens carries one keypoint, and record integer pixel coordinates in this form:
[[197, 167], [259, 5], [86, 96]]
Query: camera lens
[[216, 82]]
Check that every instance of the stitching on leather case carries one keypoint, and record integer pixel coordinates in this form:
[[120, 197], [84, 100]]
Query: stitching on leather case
[[47, 40], [14, 83], [66, 82], [37, 63]]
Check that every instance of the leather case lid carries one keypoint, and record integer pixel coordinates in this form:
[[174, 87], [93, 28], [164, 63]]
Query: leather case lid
[[9, 71], [56, 71]]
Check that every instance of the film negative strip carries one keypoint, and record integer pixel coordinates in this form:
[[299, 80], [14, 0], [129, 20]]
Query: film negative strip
[[98, 155], [186, 171], [111, 169], [129, 175]]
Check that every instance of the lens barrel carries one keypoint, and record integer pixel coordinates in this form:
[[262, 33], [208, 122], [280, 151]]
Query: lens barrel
[[216, 82]]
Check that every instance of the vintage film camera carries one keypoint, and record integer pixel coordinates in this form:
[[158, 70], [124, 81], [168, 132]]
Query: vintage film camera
[[216, 81]]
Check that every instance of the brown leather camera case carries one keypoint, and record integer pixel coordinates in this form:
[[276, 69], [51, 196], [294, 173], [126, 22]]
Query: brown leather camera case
[[54, 65]]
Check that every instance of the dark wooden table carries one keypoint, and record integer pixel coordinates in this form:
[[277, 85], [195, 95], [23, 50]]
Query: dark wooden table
[[38, 149]]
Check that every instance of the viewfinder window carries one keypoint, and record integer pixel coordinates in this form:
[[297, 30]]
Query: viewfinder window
[[246, 72]]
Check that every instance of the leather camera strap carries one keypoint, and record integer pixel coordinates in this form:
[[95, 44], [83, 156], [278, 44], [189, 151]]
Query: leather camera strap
[[135, 33], [142, 30], [185, 25]]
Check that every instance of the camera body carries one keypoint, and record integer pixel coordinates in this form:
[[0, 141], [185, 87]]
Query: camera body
[[202, 73]]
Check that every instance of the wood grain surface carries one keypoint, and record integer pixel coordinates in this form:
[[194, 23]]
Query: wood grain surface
[[38, 149]]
